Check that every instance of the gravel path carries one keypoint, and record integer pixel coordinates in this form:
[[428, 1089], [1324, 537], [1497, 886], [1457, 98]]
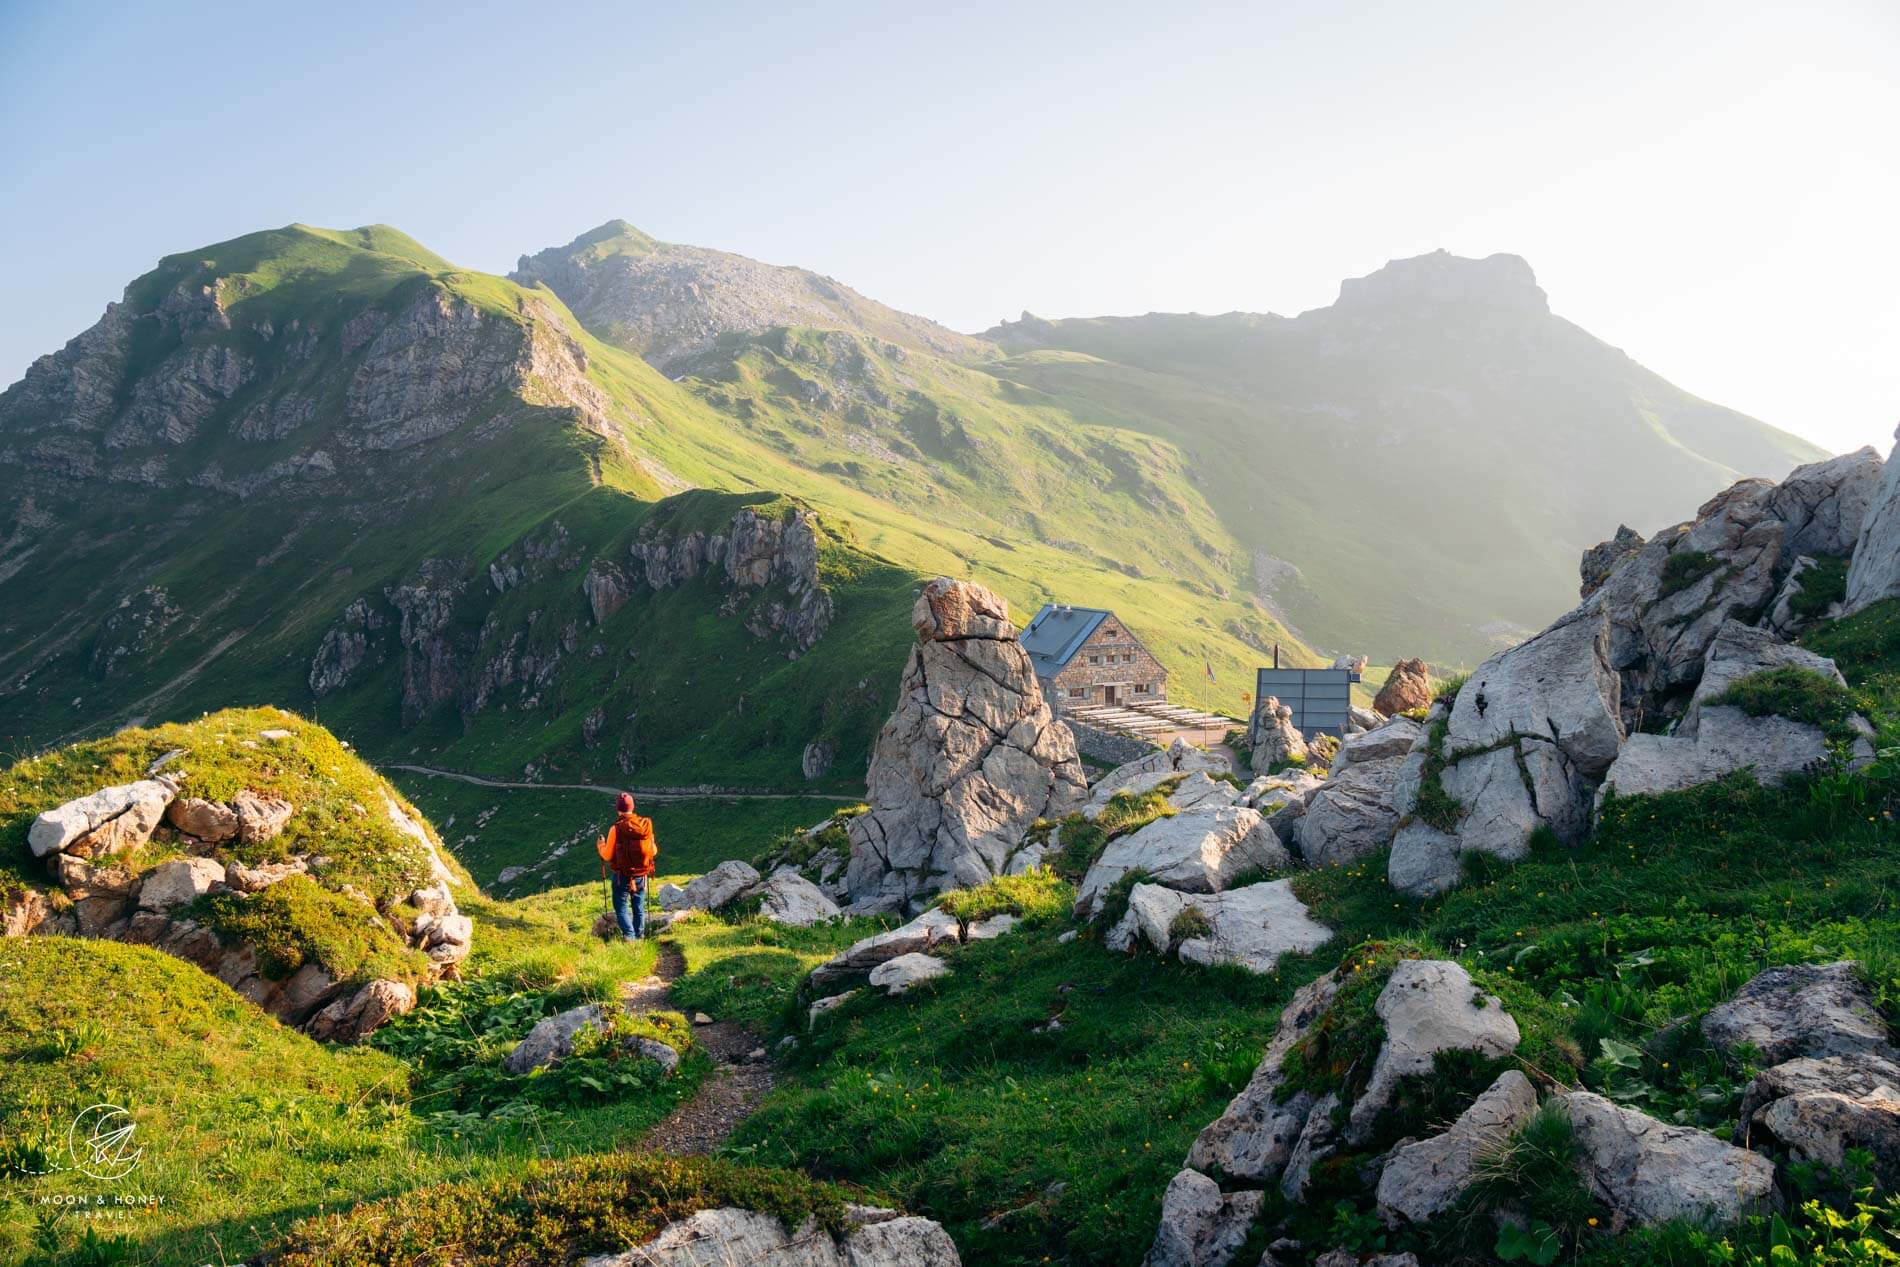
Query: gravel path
[[730, 1094]]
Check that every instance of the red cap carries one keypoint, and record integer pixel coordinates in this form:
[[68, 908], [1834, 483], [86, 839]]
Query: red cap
[[624, 804]]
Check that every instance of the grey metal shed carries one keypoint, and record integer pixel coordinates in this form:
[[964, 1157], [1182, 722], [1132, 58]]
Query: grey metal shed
[[1320, 698]]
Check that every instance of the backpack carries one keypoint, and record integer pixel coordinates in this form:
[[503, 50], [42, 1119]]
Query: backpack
[[629, 848]]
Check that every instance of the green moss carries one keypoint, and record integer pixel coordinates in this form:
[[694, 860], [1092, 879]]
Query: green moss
[[298, 921], [1189, 923], [1433, 804], [1113, 902], [1683, 569], [1336, 1055], [556, 1212], [1798, 694], [1822, 586], [1084, 839]]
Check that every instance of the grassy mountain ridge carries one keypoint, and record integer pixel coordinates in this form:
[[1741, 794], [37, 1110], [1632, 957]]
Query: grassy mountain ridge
[[308, 438]]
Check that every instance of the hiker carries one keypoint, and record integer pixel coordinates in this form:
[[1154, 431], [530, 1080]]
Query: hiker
[[626, 853]]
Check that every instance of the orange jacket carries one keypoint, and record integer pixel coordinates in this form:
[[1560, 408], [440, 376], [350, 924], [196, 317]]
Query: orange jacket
[[631, 850]]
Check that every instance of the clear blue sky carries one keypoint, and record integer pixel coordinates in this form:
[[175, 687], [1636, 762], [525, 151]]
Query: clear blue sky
[[1712, 191]]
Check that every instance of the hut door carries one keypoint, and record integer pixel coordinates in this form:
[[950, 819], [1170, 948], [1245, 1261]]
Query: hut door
[[1108, 695]]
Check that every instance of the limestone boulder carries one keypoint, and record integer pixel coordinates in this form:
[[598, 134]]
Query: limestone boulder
[[1199, 789], [1201, 1226], [1647, 1171], [896, 976], [822, 1006], [933, 928], [1394, 737], [178, 882], [727, 1235], [552, 1040], [1783, 618], [1423, 1180], [1428, 1006], [1253, 1138], [1812, 1010], [1353, 814], [26, 912], [789, 898], [100, 824], [1407, 688], [1197, 851], [970, 759], [82, 879], [213, 822], [261, 818], [723, 884], [1823, 505], [1270, 793], [1252, 927]]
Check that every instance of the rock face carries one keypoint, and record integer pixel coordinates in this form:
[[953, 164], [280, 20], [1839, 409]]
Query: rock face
[[1648, 1171], [969, 760], [1200, 1225], [1833, 1081], [771, 558], [1196, 851], [1352, 815], [727, 1235], [352, 1019], [1407, 688], [178, 882], [1423, 1180], [1252, 927], [1713, 740], [1254, 1137], [1602, 558], [1874, 573]]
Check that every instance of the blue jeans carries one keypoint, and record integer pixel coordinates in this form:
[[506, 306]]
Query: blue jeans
[[633, 926]]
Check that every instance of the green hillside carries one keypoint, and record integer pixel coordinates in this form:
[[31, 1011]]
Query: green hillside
[[306, 434]]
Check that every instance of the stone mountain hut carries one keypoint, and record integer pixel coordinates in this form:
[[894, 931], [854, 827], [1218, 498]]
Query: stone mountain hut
[[1085, 656]]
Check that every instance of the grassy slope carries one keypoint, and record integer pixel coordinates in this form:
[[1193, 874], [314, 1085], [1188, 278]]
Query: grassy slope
[[948, 1101], [248, 1126]]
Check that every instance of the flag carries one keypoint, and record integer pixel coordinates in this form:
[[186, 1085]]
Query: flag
[[1207, 665]]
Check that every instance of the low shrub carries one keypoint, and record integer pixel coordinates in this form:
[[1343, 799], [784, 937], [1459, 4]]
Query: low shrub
[[1683, 569], [1036, 897], [1798, 694]]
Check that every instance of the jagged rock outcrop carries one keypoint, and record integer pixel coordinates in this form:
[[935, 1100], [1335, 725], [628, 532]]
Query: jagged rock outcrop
[[752, 553], [1831, 1080], [1407, 688], [1602, 558], [348, 647], [1275, 740], [1714, 739], [91, 848], [971, 758]]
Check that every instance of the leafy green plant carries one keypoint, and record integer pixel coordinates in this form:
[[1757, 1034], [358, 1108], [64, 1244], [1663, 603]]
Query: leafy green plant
[[1535, 1242], [1798, 694]]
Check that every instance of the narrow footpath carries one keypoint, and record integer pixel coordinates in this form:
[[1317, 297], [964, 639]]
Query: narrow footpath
[[730, 1094], [699, 793]]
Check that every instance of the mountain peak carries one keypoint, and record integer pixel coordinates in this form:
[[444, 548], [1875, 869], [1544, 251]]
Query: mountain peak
[[1443, 280]]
